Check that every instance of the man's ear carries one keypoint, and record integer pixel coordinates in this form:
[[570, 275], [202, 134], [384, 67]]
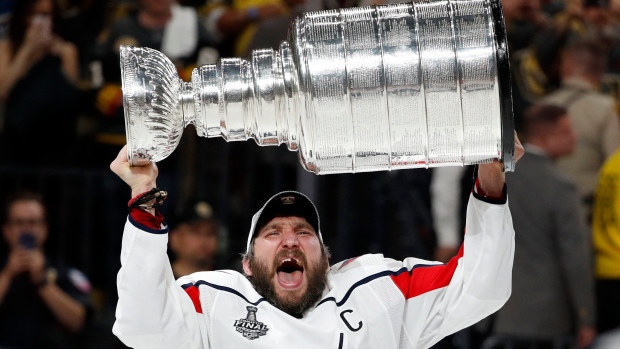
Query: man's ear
[[246, 267]]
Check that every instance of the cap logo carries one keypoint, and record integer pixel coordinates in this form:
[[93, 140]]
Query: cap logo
[[288, 200]]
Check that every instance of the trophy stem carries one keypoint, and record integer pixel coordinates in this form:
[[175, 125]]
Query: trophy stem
[[238, 99], [187, 107]]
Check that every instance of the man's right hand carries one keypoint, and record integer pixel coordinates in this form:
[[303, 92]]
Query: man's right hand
[[140, 178], [17, 263], [38, 36]]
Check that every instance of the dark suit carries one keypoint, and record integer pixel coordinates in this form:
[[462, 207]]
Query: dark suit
[[552, 276]]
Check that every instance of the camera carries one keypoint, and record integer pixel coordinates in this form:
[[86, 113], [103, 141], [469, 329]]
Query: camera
[[27, 240]]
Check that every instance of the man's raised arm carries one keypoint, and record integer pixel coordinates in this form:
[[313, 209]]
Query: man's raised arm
[[476, 282], [152, 310]]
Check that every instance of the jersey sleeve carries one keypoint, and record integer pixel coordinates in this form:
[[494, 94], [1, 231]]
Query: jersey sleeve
[[441, 299], [153, 311]]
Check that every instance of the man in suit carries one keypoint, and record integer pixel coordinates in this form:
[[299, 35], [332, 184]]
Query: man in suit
[[552, 302], [592, 113]]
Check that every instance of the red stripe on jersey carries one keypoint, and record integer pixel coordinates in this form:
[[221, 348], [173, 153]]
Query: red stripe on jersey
[[426, 279], [147, 219], [194, 295], [345, 263]]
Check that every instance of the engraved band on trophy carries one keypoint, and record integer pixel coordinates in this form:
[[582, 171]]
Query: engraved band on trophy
[[386, 87]]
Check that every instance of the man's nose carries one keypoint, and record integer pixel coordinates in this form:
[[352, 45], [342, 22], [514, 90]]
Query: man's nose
[[290, 239]]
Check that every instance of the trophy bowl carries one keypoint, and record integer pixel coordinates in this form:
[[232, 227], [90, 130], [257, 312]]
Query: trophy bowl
[[151, 89]]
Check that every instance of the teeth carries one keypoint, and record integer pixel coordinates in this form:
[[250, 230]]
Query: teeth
[[288, 260]]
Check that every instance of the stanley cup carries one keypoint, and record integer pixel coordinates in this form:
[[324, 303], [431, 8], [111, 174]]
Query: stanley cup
[[387, 87]]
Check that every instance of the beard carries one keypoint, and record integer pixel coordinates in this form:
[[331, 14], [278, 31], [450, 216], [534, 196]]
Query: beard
[[290, 303]]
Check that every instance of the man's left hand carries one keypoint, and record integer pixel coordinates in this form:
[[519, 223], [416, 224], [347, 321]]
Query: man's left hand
[[36, 265], [491, 176]]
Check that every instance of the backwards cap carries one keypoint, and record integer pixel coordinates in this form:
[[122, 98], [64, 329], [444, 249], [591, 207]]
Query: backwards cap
[[285, 204]]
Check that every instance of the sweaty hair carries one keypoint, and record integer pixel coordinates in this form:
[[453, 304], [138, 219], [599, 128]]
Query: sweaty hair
[[24, 195], [539, 118]]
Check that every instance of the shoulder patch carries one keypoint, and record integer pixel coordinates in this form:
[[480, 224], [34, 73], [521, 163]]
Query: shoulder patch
[[346, 262]]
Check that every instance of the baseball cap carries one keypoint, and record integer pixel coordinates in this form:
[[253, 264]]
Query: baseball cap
[[285, 204], [195, 210]]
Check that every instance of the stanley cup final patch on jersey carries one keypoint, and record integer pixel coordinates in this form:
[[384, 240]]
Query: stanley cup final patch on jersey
[[250, 327]]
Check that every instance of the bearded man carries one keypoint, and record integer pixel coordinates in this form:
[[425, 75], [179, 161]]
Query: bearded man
[[291, 298]]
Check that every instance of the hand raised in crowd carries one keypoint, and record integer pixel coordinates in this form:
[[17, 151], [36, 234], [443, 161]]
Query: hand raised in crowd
[[61, 48], [68, 54], [35, 261], [39, 37], [23, 260], [140, 178], [17, 263]]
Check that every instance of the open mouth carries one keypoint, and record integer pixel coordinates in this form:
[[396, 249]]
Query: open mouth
[[290, 272]]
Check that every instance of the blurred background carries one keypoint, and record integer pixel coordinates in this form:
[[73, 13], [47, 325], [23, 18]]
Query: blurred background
[[61, 124]]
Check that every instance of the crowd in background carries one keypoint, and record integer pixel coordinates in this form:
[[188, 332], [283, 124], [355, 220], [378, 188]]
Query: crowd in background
[[62, 123]]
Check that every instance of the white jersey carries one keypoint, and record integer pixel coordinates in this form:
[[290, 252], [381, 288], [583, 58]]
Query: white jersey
[[370, 302]]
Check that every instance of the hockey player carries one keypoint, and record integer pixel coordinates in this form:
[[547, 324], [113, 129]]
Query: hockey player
[[290, 297]]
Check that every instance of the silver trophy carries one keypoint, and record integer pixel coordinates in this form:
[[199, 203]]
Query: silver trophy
[[388, 87]]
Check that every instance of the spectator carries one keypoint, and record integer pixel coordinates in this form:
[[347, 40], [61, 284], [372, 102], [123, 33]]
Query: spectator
[[42, 305], [252, 24], [235, 25], [552, 297], [592, 113], [162, 25], [82, 22], [614, 31], [606, 233], [194, 241], [38, 72], [523, 19], [552, 7], [580, 20]]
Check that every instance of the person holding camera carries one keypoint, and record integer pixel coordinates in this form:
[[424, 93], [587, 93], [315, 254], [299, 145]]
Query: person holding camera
[[39, 77], [41, 305]]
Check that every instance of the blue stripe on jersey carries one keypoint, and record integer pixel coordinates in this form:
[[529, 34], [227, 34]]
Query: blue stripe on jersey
[[222, 288], [370, 278]]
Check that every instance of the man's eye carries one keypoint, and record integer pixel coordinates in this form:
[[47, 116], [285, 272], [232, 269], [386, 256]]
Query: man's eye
[[303, 232], [272, 233]]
